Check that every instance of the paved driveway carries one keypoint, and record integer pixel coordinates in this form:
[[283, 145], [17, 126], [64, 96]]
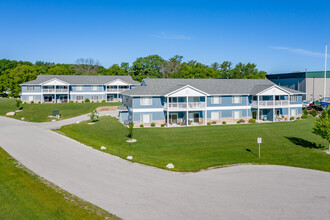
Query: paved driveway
[[134, 191]]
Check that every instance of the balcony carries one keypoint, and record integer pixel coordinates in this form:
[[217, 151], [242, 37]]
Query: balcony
[[270, 104], [184, 105], [55, 91], [62, 90], [116, 90], [48, 90]]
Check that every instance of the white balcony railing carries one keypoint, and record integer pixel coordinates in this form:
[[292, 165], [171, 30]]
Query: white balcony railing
[[185, 105], [62, 90], [271, 103], [48, 90], [116, 90]]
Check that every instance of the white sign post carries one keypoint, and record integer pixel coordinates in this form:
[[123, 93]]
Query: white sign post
[[259, 140]]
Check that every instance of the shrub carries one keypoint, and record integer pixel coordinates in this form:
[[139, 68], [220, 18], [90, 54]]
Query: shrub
[[291, 118], [305, 112], [32, 102], [298, 118], [152, 124], [82, 102], [208, 123], [252, 120], [162, 125], [93, 115], [87, 100], [241, 120], [304, 116], [141, 126], [92, 101], [103, 101], [76, 101], [238, 122], [130, 130], [224, 122], [39, 102], [214, 122], [71, 101], [18, 103], [313, 112]]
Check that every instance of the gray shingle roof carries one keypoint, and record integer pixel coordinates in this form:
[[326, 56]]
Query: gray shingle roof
[[162, 87], [81, 79]]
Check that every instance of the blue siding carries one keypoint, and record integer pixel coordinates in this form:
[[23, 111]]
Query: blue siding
[[123, 116], [36, 89], [228, 101], [157, 102], [25, 98], [88, 88], [156, 116]]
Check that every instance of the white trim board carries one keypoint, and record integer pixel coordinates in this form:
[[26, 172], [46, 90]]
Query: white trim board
[[87, 93]]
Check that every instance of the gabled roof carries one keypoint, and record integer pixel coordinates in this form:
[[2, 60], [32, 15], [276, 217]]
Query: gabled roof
[[82, 79], [161, 87]]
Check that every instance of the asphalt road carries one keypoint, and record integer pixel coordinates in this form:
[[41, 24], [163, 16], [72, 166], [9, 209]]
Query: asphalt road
[[134, 191]]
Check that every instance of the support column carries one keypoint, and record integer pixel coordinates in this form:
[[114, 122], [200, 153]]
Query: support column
[[55, 94], [205, 112], [168, 113], [187, 101], [289, 113], [258, 114], [273, 108]]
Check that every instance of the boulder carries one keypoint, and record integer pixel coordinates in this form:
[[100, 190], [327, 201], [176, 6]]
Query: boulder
[[78, 122], [53, 120], [103, 148], [22, 119], [10, 114], [170, 166], [129, 158], [18, 110]]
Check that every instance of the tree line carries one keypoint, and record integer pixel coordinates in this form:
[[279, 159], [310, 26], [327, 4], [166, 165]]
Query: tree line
[[13, 73]]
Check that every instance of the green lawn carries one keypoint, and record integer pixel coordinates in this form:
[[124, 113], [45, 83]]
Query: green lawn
[[24, 195], [195, 148], [40, 112]]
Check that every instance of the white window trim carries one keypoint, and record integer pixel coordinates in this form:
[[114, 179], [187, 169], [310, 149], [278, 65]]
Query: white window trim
[[79, 88], [240, 99], [94, 97], [294, 98], [240, 114], [150, 118], [219, 115], [80, 96], [295, 112], [95, 88], [30, 97], [145, 104], [28, 88], [212, 100]]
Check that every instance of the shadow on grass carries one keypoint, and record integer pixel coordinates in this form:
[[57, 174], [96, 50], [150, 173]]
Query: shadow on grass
[[248, 150], [305, 143]]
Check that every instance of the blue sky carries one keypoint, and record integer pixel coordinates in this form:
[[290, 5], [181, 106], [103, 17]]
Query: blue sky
[[279, 36]]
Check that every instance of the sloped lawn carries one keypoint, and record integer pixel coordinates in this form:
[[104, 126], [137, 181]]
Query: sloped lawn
[[23, 195], [40, 112], [195, 148]]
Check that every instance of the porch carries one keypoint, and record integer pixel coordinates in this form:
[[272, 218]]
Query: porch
[[55, 98], [185, 118]]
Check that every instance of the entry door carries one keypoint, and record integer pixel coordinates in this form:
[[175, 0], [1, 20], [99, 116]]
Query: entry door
[[196, 117], [110, 98], [174, 118]]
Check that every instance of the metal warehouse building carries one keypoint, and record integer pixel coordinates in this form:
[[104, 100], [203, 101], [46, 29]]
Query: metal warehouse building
[[312, 83]]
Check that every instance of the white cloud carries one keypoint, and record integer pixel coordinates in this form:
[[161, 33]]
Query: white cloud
[[298, 51], [167, 36]]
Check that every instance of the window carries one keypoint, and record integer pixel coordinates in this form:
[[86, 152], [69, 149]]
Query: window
[[145, 101], [215, 100], [30, 98], [237, 99], [237, 114], [95, 88], [79, 88], [30, 88], [79, 97], [215, 115], [294, 112], [294, 98], [145, 118], [95, 97]]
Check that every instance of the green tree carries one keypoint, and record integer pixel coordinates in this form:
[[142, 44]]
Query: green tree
[[115, 69], [322, 125], [149, 66]]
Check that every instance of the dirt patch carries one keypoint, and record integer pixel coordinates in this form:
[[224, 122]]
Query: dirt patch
[[106, 108]]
